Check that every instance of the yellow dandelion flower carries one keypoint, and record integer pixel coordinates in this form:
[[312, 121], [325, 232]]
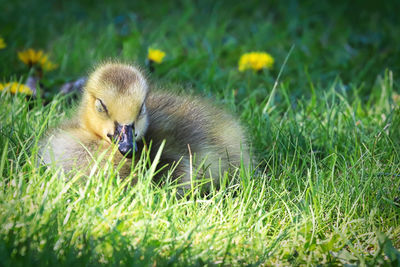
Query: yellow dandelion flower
[[156, 55], [255, 61], [32, 57], [14, 87], [2, 43]]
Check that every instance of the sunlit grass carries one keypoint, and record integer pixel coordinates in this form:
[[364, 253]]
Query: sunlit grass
[[324, 192]]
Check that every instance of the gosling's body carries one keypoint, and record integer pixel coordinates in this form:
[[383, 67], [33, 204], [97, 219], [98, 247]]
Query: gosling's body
[[72, 147], [196, 132]]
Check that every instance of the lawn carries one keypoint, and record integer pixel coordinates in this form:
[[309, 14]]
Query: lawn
[[325, 136]]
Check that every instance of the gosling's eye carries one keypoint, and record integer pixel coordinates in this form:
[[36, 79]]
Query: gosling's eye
[[100, 107], [142, 109]]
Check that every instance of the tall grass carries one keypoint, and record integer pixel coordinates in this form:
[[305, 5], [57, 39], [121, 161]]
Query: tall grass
[[325, 194]]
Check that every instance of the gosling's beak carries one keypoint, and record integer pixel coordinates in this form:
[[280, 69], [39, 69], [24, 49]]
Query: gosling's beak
[[124, 136]]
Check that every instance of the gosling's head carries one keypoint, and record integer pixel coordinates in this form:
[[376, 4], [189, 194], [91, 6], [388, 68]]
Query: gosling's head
[[113, 105]]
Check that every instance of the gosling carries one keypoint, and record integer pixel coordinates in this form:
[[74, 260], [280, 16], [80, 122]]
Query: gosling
[[118, 109]]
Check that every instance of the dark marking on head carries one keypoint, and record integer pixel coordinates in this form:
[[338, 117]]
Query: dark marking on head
[[120, 76]]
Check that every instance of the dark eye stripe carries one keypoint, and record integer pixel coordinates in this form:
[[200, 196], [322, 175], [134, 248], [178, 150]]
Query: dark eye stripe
[[104, 106], [141, 109]]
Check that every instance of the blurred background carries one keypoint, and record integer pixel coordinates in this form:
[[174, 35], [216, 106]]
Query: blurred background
[[354, 41]]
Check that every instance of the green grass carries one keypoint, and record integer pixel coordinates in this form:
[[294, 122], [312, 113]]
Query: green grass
[[327, 186]]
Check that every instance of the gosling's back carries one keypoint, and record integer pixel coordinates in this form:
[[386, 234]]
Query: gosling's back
[[212, 134]]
